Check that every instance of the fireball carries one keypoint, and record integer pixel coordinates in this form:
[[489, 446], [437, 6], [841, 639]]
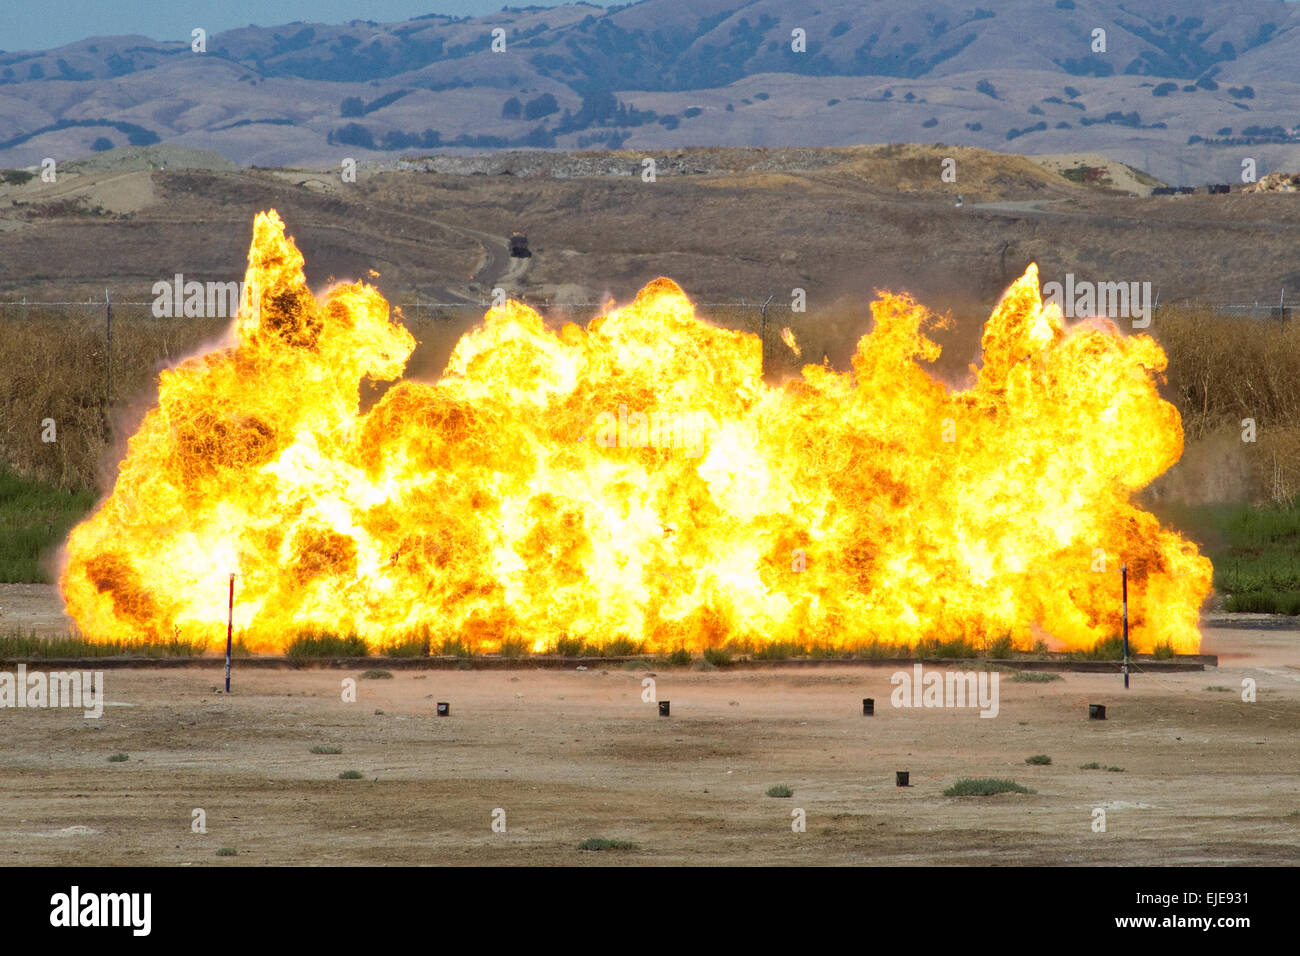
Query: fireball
[[637, 480]]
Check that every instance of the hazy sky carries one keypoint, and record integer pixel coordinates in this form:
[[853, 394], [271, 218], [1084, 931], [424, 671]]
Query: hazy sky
[[33, 25]]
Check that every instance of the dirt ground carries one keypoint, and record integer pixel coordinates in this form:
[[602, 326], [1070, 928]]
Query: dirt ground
[[1207, 778], [32, 608]]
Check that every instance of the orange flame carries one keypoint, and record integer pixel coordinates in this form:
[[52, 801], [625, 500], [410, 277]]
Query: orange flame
[[637, 479]]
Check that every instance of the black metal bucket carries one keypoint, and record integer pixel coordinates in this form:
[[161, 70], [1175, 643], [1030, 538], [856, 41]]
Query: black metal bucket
[[444, 709], [901, 778], [1096, 711], [663, 708], [868, 707]]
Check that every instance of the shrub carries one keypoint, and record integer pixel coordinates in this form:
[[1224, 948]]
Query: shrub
[[984, 787], [324, 644], [353, 134], [600, 843], [1107, 649], [621, 647], [717, 656], [543, 105], [416, 644], [1002, 647]]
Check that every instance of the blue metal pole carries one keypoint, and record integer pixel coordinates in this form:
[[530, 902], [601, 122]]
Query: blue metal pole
[[1123, 573]]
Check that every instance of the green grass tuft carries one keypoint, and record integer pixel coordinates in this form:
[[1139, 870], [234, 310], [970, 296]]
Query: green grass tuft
[[566, 646], [16, 644], [779, 651], [513, 649], [1033, 677], [679, 658], [227, 851], [118, 758], [351, 775], [1041, 760], [326, 749], [409, 645], [984, 787], [325, 644], [619, 647], [1001, 648], [780, 790], [1107, 649], [1093, 765], [376, 673], [600, 843]]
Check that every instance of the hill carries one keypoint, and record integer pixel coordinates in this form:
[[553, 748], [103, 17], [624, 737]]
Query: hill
[[1179, 89]]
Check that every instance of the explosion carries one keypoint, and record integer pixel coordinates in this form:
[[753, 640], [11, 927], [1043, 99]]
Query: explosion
[[638, 481]]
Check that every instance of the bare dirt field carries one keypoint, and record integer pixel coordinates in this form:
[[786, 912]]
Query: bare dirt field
[[1207, 778]]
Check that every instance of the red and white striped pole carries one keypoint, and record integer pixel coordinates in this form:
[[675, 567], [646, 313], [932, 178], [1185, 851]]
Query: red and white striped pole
[[230, 627]]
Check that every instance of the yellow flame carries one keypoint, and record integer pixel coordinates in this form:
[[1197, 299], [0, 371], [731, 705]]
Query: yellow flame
[[637, 479], [791, 343]]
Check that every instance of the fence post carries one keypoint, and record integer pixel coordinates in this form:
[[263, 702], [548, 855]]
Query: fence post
[[762, 333], [108, 350]]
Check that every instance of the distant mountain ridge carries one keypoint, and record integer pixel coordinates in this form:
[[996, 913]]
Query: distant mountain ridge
[[658, 74]]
